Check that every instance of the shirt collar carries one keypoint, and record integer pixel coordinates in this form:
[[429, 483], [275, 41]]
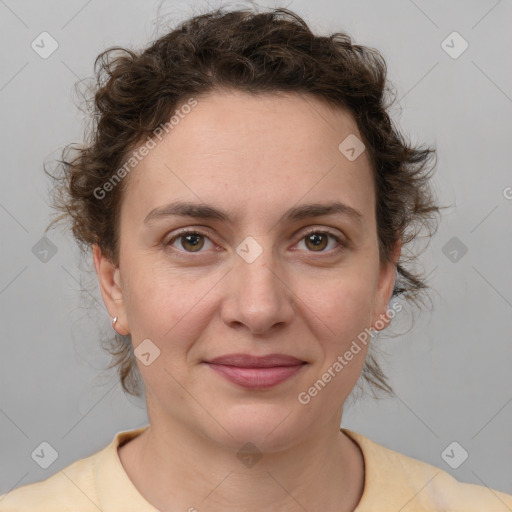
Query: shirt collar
[[383, 471]]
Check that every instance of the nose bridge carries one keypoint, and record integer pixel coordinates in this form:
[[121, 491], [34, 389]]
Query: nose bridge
[[259, 298]]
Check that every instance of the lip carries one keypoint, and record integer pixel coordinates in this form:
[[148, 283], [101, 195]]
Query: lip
[[256, 372]]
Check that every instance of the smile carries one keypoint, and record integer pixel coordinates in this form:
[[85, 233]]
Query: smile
[[256, 377], [256, 372]]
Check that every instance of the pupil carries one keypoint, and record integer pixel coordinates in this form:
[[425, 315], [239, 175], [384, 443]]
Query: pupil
[[188, 237], [317, 239], [193, 241]]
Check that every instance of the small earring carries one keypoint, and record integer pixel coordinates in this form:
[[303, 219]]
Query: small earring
[[114, 321]]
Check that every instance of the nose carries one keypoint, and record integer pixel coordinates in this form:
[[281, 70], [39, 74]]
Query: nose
[[258, 296]]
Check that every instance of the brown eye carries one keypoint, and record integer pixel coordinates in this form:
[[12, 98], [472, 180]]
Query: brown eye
[[193, 242], [318, 241], [189, 242]]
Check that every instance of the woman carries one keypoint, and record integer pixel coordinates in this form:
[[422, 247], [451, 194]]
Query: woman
[[246, 199]]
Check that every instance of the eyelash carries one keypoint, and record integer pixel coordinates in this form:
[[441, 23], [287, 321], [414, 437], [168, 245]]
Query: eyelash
[[184, 254]]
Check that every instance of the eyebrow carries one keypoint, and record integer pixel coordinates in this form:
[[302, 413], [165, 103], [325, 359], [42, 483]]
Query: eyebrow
[[203, 211]]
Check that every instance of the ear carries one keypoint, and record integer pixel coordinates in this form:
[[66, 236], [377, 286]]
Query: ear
[[111, 291], [384, 290]]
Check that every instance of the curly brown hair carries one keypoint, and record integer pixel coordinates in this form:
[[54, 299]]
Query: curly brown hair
[[253, 52]]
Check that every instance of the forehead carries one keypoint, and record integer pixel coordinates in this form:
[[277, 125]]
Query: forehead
[[253, 153]]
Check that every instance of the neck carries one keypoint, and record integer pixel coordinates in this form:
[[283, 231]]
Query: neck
[[175, 468]]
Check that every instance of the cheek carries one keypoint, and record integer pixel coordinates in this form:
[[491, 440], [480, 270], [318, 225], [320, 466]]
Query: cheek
[[169, 310], [343, 337], [165, 304], [170, 303], [342, 303]]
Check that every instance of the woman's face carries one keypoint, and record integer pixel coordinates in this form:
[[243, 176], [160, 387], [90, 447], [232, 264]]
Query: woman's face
[[263, 276]]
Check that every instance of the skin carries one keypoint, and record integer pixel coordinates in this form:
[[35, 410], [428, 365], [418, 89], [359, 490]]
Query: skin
[[255, 157]]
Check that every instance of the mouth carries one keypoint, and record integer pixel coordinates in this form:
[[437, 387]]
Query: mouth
[[256, 372]]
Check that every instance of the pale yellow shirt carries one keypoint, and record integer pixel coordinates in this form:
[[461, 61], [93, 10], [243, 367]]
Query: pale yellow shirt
[[393, 483]]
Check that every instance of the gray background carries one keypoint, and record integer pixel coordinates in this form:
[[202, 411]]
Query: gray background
[[451, 371]]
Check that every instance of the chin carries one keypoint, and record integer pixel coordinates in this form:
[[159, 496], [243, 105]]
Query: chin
[[270, 427]]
